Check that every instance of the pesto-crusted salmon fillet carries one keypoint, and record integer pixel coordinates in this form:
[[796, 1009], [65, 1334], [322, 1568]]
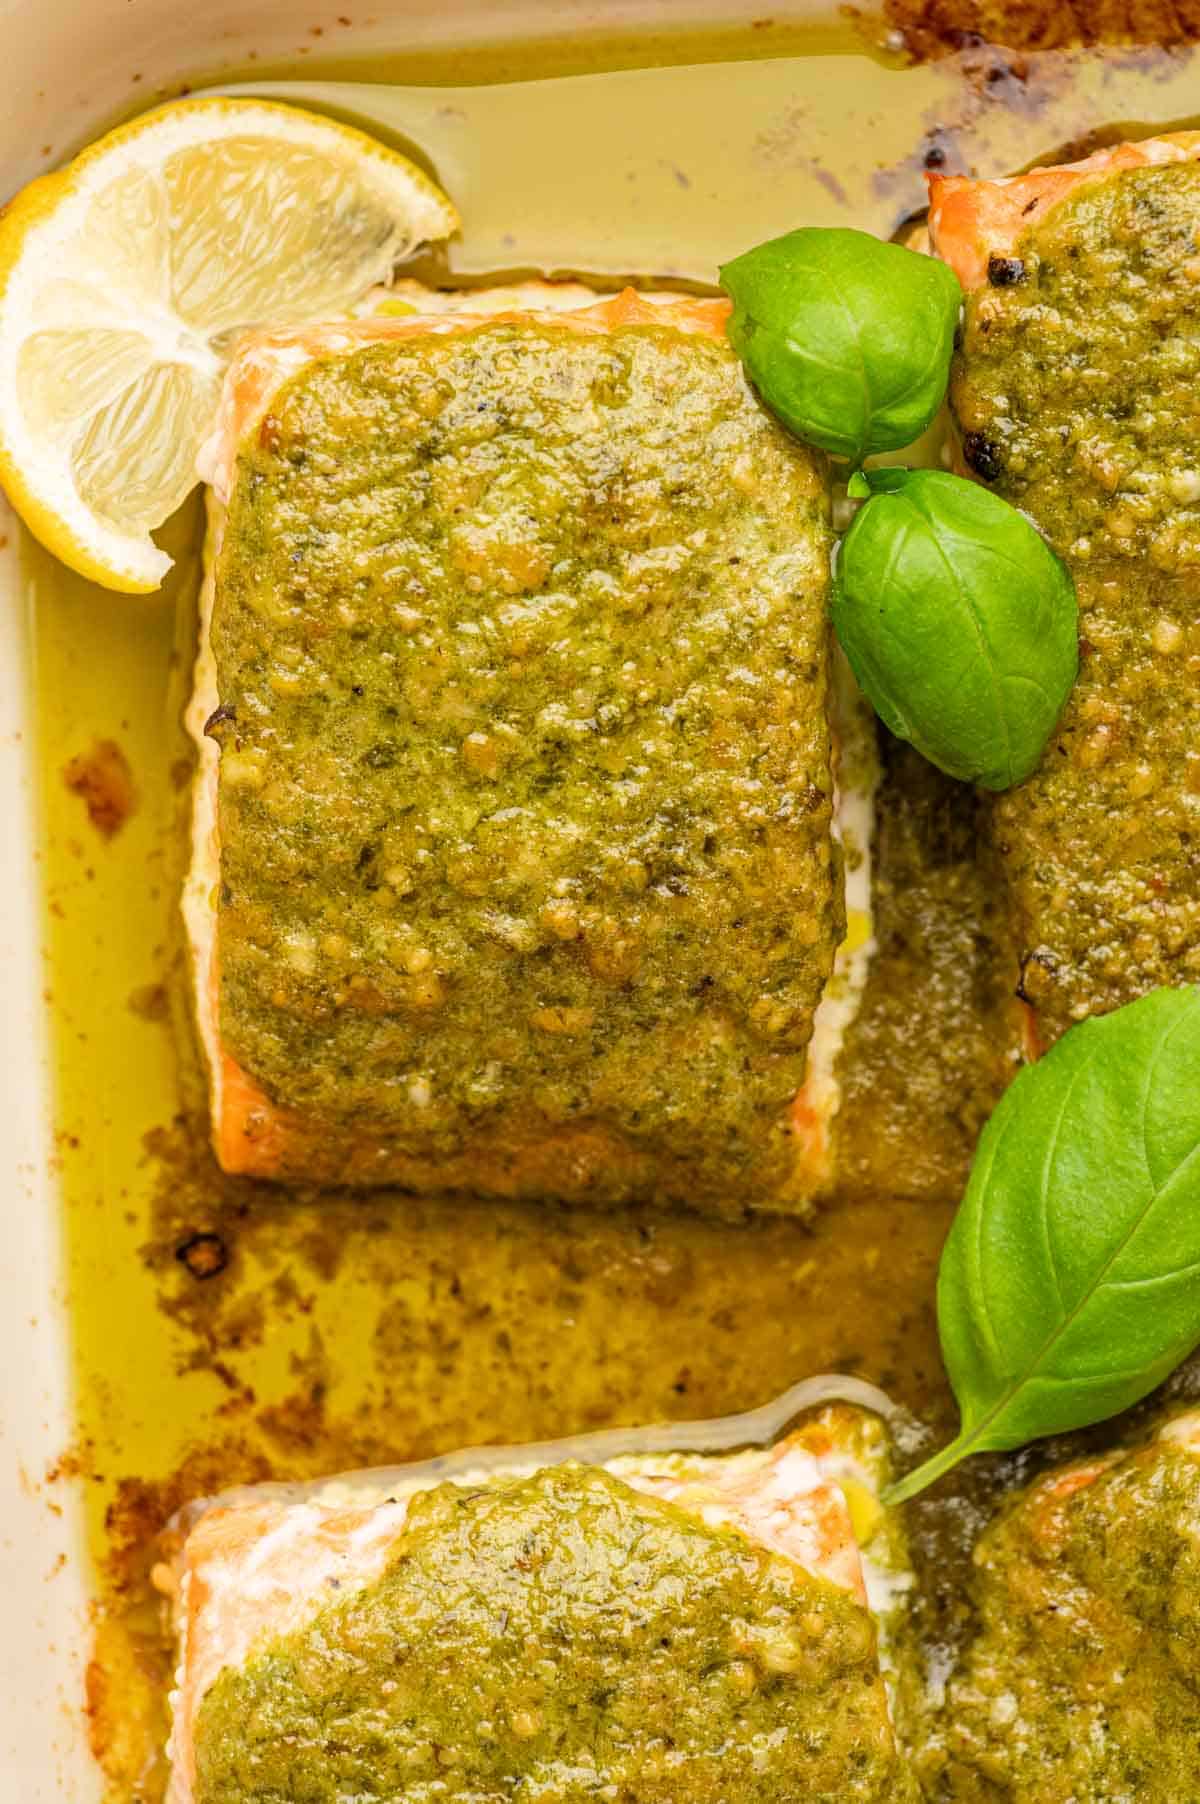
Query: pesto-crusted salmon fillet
[[1082, 1683], [653, 1627], [516, 867], [1075, 390]]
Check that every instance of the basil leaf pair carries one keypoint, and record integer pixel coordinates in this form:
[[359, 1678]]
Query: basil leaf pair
[[958, 620], [1070, 1282]]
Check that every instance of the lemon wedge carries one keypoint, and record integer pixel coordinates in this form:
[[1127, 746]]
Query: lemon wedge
[[126, 276]]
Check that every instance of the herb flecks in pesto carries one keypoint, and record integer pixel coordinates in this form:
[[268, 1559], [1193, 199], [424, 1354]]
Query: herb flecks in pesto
[[1078, 392], [561, 1638], [1084, 1681], [525, 803]]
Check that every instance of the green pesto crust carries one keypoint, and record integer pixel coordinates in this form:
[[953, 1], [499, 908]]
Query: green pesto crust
[[526, 876], [1077, 390], [1083, 1683], [561, 1638]]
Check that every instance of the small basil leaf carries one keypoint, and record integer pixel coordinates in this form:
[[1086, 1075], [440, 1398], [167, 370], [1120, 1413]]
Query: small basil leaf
[[1070, 1282], [959, 622], [847, 339]]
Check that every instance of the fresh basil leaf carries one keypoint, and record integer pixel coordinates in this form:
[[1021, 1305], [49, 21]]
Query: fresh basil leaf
[[959, 622], [1070, 1282], [848, 339]]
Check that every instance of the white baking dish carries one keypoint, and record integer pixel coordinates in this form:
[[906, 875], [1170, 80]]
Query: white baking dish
[[69, 67]]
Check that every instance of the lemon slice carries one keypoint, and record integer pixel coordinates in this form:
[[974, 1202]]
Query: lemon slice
[[125, 277]]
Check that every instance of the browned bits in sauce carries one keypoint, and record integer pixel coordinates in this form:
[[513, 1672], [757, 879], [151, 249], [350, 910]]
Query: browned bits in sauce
[[982, 455], [220, 717], [103, 780], [935, 28], [204, 1255], [150, 1002]]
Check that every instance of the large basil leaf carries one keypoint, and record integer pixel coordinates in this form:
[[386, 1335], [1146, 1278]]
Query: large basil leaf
[[959, 622], [1070, 1281], [848, 339]]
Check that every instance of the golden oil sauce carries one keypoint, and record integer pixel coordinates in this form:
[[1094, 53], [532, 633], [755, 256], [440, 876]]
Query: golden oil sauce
[[223, 1331]]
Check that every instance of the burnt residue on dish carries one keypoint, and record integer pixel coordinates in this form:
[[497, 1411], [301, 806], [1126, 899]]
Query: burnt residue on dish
[[1009, 103], [936, 28], [990, 85], [203, 1256]]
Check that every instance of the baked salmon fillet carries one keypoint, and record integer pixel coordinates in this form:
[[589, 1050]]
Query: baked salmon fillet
[[515, 856], [1083, 1681], [648, 1627], [1075, 391]]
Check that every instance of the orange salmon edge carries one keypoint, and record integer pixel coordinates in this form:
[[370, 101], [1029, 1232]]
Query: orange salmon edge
[[1032, 1044], [1065, 1484], [810, 1126], [971, 221], [250, 1129]]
